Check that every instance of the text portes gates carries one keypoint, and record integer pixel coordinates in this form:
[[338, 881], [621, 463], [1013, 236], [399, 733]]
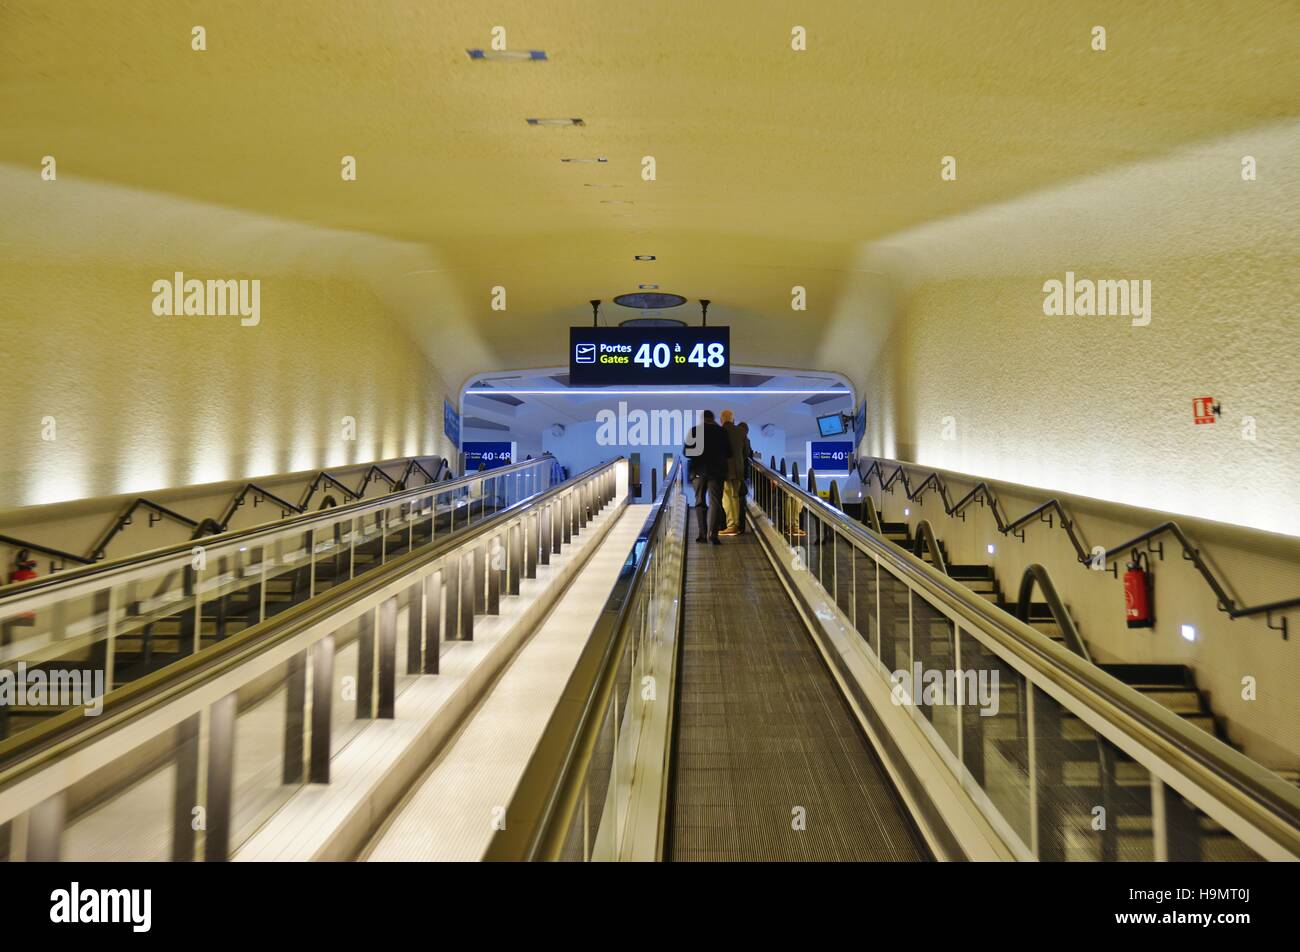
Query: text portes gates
[[649, 356]]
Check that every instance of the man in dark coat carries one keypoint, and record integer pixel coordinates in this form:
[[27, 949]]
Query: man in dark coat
[[707, 451], [733, 495]]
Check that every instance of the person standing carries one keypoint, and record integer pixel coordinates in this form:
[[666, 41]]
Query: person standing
[[733, 499], [708, 450]]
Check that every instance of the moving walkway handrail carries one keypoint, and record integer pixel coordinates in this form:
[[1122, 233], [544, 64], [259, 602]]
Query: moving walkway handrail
[[982, 490], [552, 782], [296, 524], [31, 751], [1264, 800]]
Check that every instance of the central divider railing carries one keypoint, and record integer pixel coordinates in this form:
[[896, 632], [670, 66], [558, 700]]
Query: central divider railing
[[595, 788], [131, 617], [1014, 719], [189, 760]]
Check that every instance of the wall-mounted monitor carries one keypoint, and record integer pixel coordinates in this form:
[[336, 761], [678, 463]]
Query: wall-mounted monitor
[[831, 425]]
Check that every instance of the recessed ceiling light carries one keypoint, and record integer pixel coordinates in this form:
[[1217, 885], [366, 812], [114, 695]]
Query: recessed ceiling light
[[599, 185], [597, 160], [516, 55], [648, 287], [650, 301], [644, 257], [1188, 632], [556, 122], [615, 201]]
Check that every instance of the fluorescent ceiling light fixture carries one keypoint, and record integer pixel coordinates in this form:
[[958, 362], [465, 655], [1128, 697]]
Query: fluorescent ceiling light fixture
[[1188, 632], [600, 392], [643, 257], [556, 122], [616, 201], [600, 185], [596, 160], [508, 55], [648, 287]]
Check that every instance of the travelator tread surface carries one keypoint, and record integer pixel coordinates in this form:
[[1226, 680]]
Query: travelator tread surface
[[762, 730]]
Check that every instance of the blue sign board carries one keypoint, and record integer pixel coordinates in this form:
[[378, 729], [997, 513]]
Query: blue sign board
[[451, 423], [490, 453], [830, 456]]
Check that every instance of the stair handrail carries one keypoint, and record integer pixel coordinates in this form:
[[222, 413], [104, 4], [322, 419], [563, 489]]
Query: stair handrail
[[88, 566], [98, 550], [125, 518], [1036, 575], [1090, 558], [870, 517], [48, 550], [925, 537]]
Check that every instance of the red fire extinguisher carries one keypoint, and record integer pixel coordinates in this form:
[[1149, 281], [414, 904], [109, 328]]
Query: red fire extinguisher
[[24, 571], [1138, 607]]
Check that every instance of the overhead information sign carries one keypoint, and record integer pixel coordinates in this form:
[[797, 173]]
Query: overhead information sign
[[830, 456], [489, 453], [649, 356]]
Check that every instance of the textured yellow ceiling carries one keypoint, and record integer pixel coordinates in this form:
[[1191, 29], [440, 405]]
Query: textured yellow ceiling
[[774, 166]]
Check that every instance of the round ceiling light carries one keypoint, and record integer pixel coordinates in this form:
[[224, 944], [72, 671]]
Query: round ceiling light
[[652, 322], [649, 300]]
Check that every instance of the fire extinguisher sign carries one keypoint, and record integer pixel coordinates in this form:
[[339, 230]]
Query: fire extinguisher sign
[[1204, 410]]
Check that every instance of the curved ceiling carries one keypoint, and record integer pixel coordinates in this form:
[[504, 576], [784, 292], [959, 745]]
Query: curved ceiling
[[774, 167]]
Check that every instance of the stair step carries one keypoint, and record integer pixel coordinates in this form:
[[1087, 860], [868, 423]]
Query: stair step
[[1151, 675], [967, 572], [1179, 700]]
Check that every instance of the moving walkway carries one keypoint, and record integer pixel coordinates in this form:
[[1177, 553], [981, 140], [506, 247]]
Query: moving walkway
[[809, 691], [131, 617], [1000, 742], [194, 758]]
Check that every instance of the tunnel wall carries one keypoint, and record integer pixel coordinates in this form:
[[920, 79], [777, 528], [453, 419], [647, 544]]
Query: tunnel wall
[[974, 377], [977, 378], [115, 398]]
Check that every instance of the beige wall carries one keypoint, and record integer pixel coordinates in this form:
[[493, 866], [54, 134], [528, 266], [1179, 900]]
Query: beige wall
[[1095, 405], [1100, 408], [142, 402]]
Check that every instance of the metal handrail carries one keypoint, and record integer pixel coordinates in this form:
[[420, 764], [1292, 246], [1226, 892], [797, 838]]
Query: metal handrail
[[1044, 513], [925, 537], [870, 517], [1263, 799], [210, 526], [27, 752], [1037, 575], [295, 524], [537, 829]]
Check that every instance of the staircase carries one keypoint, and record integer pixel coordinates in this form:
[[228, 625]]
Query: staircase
[[1075, 779]]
